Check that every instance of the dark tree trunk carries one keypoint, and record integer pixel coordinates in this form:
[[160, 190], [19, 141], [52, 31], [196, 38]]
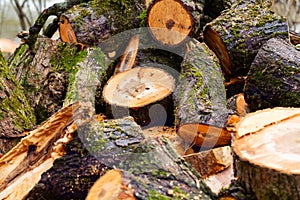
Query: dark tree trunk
[[238, 33], [273, 79]]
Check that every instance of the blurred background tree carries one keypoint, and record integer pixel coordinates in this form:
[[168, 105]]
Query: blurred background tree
[[19, 15]]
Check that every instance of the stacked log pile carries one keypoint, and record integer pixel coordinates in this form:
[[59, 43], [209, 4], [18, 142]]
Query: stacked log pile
[[112, 125]]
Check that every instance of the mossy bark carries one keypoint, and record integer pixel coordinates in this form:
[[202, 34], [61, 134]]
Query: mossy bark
[[238, 33], [200, 95], [45, 72], [96, 20], [120, 144], [273, 79], [16, 115]]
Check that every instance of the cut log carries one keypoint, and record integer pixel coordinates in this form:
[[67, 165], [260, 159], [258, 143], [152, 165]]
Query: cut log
[[45, 75], [120, 143], [172, 21], [261, 137], [138, 87], [137, 90], [96, 20], [22, 166], [200, 99], [237, 34], [210, 162], [273, 79], [16, 115]]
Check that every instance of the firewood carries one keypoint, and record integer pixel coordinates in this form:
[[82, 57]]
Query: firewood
[[200, 99], [294, 38], [238, 33], [238, 104], [128, 57], [110, 186], [273, 77], [211, 161], [137, 89], [267, 153], [120, 143], [172, 21], [22, 166]]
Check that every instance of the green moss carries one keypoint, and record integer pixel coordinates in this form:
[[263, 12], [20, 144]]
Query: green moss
[[122, 14], [142, 17], [66, 58], [15, 103]]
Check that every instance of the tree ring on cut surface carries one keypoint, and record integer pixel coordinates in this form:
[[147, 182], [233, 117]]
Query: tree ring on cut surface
[[138, 87], [169, 21]]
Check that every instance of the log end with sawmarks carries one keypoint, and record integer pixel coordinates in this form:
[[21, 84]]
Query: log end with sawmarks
[[266, 146]]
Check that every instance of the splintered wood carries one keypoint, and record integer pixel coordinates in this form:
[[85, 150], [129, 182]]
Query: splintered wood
[[267, 145], [128, 58], [110, 186], [138, 87], [21, 167]]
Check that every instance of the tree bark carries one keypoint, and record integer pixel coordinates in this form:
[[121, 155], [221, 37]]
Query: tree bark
[[45, 72], [120, 143], [16, 114], [273, 79], [261, 137], [200, 100], [238, 33]]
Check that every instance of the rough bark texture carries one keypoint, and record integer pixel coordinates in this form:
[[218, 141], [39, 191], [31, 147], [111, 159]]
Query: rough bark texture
[[120, 143], [273, 79], [98, 19], [16, 115], [238, 33], [45, 73], [71, 176], [200, 95]]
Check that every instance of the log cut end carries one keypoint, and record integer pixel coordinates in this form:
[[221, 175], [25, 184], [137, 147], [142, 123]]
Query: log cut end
[[267, 157], [169, 21], [279, 139], [138, 87]]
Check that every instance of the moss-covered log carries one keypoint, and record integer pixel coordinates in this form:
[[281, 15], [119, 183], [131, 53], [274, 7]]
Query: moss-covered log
[[120, 144], [238, 33], [273, 79], [200, 98], [267, 153], [45, 72], [16, 115], [96, 20]]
